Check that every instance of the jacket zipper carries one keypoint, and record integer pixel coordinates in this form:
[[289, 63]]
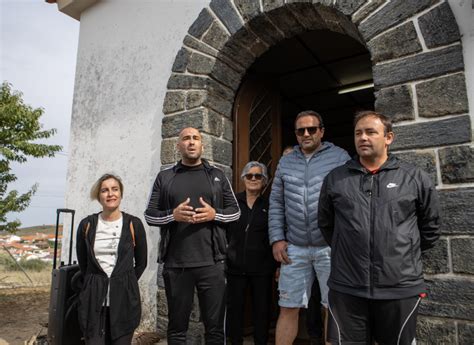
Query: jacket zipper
[[305, 203], [371, 214], [246, 232]]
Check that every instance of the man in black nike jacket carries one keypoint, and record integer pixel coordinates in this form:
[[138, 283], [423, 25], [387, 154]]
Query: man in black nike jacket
[[378, 214], [192, 202]]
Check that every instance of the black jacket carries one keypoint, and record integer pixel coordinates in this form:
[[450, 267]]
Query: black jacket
[[249, 251], [125, 308], [159, 212], [377, 225]]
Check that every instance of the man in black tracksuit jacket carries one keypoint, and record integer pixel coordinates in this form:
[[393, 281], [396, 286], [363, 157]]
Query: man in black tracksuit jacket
[[378, 214], [192, 202]]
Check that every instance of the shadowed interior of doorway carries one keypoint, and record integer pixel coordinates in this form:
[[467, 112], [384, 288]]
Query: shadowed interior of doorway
[[321, 70]]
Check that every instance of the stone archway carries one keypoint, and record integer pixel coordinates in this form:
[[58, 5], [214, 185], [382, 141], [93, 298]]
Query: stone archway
[[418, 73]]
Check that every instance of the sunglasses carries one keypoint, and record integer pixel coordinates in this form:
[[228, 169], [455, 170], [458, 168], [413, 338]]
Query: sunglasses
[[258, 177], [311, 130]]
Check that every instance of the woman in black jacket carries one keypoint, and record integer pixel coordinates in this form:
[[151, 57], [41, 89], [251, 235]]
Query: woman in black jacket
[[112, 255], [249, 259]]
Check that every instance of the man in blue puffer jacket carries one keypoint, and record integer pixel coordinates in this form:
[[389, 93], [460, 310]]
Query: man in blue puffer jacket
[[293, 221]]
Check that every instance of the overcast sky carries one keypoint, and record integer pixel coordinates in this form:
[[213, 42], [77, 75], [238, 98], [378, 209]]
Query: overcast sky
[[38, 57]]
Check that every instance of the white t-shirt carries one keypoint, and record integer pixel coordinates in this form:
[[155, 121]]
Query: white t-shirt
[[107, 238]]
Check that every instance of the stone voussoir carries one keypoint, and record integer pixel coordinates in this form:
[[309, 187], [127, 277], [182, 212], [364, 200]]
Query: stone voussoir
[[198, 118], [168, 151], [419, 66], [269, 5], [228, 129], [239, 53], [216, 36], [395, 102], [433, 133], [349, 7], [192, 42], [214, 123], [217, 150], [395, 43], [249, 9], [439, 26], [307, 16], [181, 60], [226, 75], [200, 64], [185, 82], [227, 15], [366, 10], [285, 20], [220, 90], [219, 104], [173, 124], [265, 30], [457, 164], [195, 99], [174, 101], [393, 13], [442, 96], [250, 41], [201, 24]]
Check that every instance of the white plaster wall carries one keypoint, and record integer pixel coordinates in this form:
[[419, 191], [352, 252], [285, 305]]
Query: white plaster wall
[[126, 51], [463, 10]]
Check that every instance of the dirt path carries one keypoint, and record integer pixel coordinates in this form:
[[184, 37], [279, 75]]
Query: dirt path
[[22, 311]]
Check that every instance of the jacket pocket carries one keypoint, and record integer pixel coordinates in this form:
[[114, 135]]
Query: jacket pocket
[[390, 273], [349, 264]]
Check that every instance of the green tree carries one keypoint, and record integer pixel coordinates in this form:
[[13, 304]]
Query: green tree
[[20, 130]]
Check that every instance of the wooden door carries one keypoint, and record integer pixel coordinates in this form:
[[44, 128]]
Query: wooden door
[[257, 137], [257, 128]]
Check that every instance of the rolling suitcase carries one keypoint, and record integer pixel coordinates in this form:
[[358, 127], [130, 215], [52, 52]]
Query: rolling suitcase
[[63, 326]]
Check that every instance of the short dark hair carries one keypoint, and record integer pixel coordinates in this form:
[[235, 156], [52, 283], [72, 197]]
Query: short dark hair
[[310, 113], [386, 121], [95, 190]]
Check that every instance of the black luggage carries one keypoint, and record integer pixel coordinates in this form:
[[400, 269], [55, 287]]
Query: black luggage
[[63, 325]]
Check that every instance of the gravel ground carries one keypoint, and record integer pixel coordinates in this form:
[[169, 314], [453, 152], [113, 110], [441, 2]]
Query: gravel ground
[[23, 312]]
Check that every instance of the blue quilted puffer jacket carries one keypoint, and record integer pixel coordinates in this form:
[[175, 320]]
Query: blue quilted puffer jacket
[[294, 198]]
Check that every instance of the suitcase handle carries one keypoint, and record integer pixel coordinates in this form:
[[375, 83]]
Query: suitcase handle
[[58, 212], [65, 210]]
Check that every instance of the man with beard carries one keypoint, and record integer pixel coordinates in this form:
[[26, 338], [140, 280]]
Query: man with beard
[[192, 202], [296, 240]]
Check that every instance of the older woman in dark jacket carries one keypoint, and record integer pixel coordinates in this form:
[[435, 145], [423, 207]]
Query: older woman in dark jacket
[[112, 255], [249, 258]]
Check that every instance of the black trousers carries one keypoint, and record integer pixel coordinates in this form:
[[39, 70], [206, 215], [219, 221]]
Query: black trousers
[[355, 320], [261, 293], [210, 285], [105, 339]]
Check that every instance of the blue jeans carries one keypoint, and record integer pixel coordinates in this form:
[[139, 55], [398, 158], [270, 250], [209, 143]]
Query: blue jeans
[[296, 279]]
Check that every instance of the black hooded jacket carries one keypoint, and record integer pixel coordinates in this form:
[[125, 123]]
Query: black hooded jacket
[[249, 251], [125, 307], [377, 225]]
